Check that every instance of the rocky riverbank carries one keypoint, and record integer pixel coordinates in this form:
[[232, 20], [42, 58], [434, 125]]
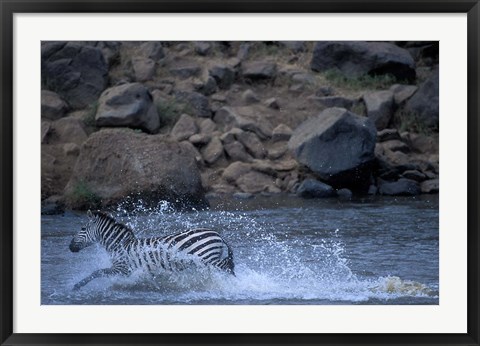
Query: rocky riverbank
[[179, 121]]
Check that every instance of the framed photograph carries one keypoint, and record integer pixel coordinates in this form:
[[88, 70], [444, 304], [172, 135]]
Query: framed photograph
[[239, 173]]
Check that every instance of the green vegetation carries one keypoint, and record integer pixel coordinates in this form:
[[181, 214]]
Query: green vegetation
[[338, 79], [89, 119], [170, 110], [359, 108], [411, 121], [82, 195]]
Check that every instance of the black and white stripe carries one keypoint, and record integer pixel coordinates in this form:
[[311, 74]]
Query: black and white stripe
[[170, 253]]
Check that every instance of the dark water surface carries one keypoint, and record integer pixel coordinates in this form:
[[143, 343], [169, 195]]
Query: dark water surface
[[287, 251]]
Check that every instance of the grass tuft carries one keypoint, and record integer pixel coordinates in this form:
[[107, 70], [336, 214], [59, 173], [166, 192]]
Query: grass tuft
[[377, 82], [82, 196]]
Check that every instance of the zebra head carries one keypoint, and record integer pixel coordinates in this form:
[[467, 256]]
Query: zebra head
[[87, 235]]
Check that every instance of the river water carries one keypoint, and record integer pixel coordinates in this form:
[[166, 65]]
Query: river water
[[287, 251]]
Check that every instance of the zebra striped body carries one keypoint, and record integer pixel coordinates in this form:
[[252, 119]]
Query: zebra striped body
[[195, 247]]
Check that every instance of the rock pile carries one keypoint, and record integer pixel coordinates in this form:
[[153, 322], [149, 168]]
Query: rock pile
[[177, 120]]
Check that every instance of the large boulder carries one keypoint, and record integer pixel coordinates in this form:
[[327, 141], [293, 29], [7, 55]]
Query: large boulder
[[337, 145], [128, 105], [424, 104], [357, 58], [116, 165], [77, 72]]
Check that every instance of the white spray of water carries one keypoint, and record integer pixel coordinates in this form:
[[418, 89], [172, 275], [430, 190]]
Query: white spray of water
[[269, 268]]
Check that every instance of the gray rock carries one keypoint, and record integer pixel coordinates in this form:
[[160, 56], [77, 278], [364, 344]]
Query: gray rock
[[128, 105], [46, 130], [151, 50], [337, 145], [207, 126], [69, 130], [71, 149], [345, 194], [224, 75], [186, 71], [198, 103], [202, 48], [194, 151], [78, 73], [138, 166], [414, 175], [425, 102], [311, 188], [236, 151], [248, 118], [212, 151], [372, 190], [387, 135], [272, 103], [357, 58], [294, 46], [243, 51], [53, 107], [401, 187], [334, 101], [207, 87], [184, 128], [304, 78], [395, 145], [258, 70], [235, 170], [430, 186], [252, 143], [402, 93], [231, 135], [250, 97], [281, 133], [324, 91], [199, 139], [143, 68], [243, 195], [255, 182], [277, 151], [422, 143], [379, 107]]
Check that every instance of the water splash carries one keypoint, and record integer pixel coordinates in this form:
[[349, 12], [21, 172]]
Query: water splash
[[274, 265]]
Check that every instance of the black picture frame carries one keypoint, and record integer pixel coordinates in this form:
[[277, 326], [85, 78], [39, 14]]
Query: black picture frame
[[9, 8]]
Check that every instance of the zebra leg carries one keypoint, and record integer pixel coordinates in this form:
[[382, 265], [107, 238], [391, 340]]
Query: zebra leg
[[100, 273]]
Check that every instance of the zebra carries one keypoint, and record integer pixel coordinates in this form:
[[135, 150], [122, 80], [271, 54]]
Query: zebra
[[171, 253]]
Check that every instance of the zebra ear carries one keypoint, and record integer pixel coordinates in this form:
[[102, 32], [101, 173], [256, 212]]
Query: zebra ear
[[89, 213]]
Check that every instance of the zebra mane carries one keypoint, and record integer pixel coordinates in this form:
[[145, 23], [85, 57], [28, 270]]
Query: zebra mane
[[104, 216]]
